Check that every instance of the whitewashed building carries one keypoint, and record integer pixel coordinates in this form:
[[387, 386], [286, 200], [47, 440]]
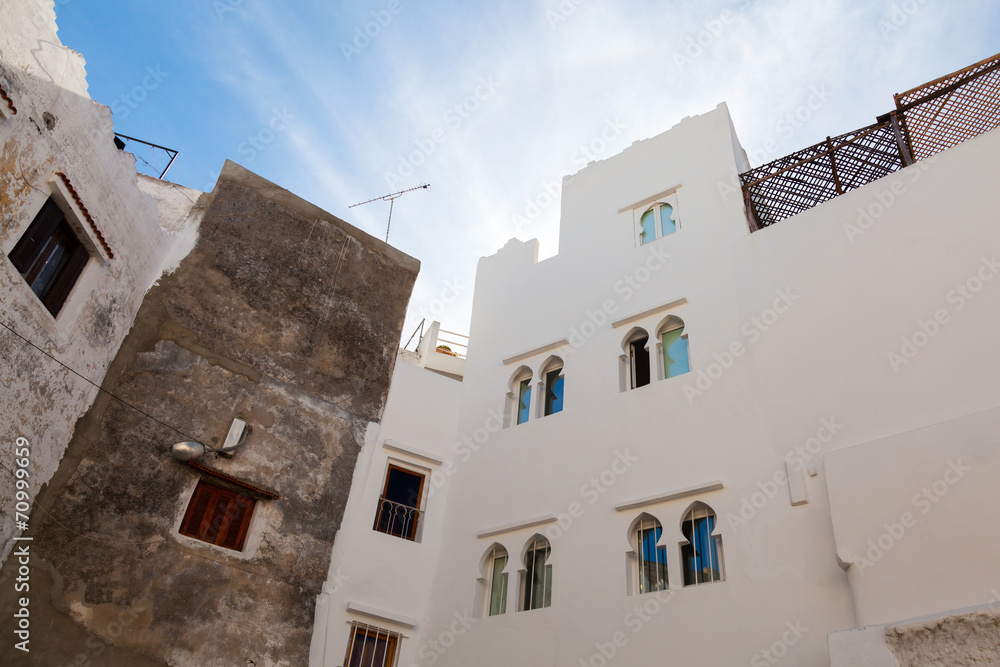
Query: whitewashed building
[[681, 441]]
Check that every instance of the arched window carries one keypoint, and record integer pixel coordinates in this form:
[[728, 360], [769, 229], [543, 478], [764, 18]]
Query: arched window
[[519, 397], [658, 221], [635, 361], [701, 555], [536, 577], [648, 561], [496, 581], [673, 348], [552, 387]]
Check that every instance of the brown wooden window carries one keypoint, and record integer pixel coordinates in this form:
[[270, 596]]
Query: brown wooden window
[[399, 507], [50, 257], [218, 516], [371, 647]]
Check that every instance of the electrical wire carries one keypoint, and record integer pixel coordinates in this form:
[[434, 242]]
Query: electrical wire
[[99, 387]]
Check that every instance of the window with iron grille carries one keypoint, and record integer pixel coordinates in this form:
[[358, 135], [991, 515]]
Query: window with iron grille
[[50, 257], [536, 577], [496, 562], [218, 516], [701, 556], [649, 561], [399, 507], [370, 646]]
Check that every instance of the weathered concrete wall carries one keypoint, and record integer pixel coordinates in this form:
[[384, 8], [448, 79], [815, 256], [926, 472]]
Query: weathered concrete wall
[[282, 315], [58, 128], [953, 641]]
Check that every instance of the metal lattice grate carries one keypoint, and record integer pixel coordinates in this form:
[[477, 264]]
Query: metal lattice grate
[[806, 178], [928, 119], [947, 111]]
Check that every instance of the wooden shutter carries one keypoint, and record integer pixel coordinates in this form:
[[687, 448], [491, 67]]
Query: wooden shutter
[[38, 232], [218, 516]]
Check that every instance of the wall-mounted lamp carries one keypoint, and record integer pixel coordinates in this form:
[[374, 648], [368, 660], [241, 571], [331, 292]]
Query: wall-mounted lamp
[[190, 450]]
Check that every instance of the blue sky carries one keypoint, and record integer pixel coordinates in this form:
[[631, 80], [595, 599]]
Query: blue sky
[[491, 102]]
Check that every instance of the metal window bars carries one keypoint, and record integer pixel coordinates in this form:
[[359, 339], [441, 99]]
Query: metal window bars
[[702, 555], [397, 519], [927, 119], [652, 560], [537, 577], [371, 646]]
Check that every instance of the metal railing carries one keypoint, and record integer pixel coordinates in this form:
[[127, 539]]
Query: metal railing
[[397, 519], [170, 153], [927, 119], [457, 344]]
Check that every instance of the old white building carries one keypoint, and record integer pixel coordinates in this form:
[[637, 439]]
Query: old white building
[[680, 441]]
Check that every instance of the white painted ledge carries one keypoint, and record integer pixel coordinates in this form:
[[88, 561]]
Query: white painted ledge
[[424, 455], [509, 527], [381, 614], [670, 495], [649, 200], [538, 350], [651, 311]]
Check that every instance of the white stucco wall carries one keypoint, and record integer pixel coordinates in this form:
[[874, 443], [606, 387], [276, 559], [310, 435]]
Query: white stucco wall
[[381, 572], [794, 386], [58, 128]]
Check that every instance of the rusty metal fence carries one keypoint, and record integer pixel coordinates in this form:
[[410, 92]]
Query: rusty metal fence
[[927, 119]]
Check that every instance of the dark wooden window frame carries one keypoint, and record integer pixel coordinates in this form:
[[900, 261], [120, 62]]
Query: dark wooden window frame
[[387, 527], [369, 634], [218, 516], [47, 233]]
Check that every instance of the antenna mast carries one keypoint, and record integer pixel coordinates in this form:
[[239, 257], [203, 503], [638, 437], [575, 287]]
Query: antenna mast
[[391, 198]]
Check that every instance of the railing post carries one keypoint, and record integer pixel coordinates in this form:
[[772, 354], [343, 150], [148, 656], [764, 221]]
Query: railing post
[[897, 130], [833, 165]]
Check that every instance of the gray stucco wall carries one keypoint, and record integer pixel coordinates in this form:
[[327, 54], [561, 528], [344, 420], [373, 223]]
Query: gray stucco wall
[[282, 315]]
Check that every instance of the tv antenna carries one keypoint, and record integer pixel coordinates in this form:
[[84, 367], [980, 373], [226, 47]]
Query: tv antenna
[[391, 198]]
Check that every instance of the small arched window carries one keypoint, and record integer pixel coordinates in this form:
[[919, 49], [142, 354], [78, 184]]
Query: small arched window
[[635, 361], [701, 555], [656, 222], [553, 386], [496, 597], [648, 561], [536, 577], [519, 397], [673, 348]]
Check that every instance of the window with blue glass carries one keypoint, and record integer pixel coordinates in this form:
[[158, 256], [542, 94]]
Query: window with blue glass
[[674, 348], [553, 386], [650, 559], [658, 221], [701, 556], [523, 400]]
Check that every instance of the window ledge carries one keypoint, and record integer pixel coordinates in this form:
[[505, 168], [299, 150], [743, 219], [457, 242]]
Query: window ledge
[[509, 527], [413, 451], [670, 495], [381, 614], [650, 311], [538, 350]]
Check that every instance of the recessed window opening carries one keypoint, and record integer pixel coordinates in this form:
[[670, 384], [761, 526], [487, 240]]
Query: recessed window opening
[[674, 348], [637, 360], [651, 561], [50, 257], [496, 561], [518, 403], [218, 516], [658, 221], [553, 384], [536, 578], [399, 506], [702, 555], [371, 646]]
